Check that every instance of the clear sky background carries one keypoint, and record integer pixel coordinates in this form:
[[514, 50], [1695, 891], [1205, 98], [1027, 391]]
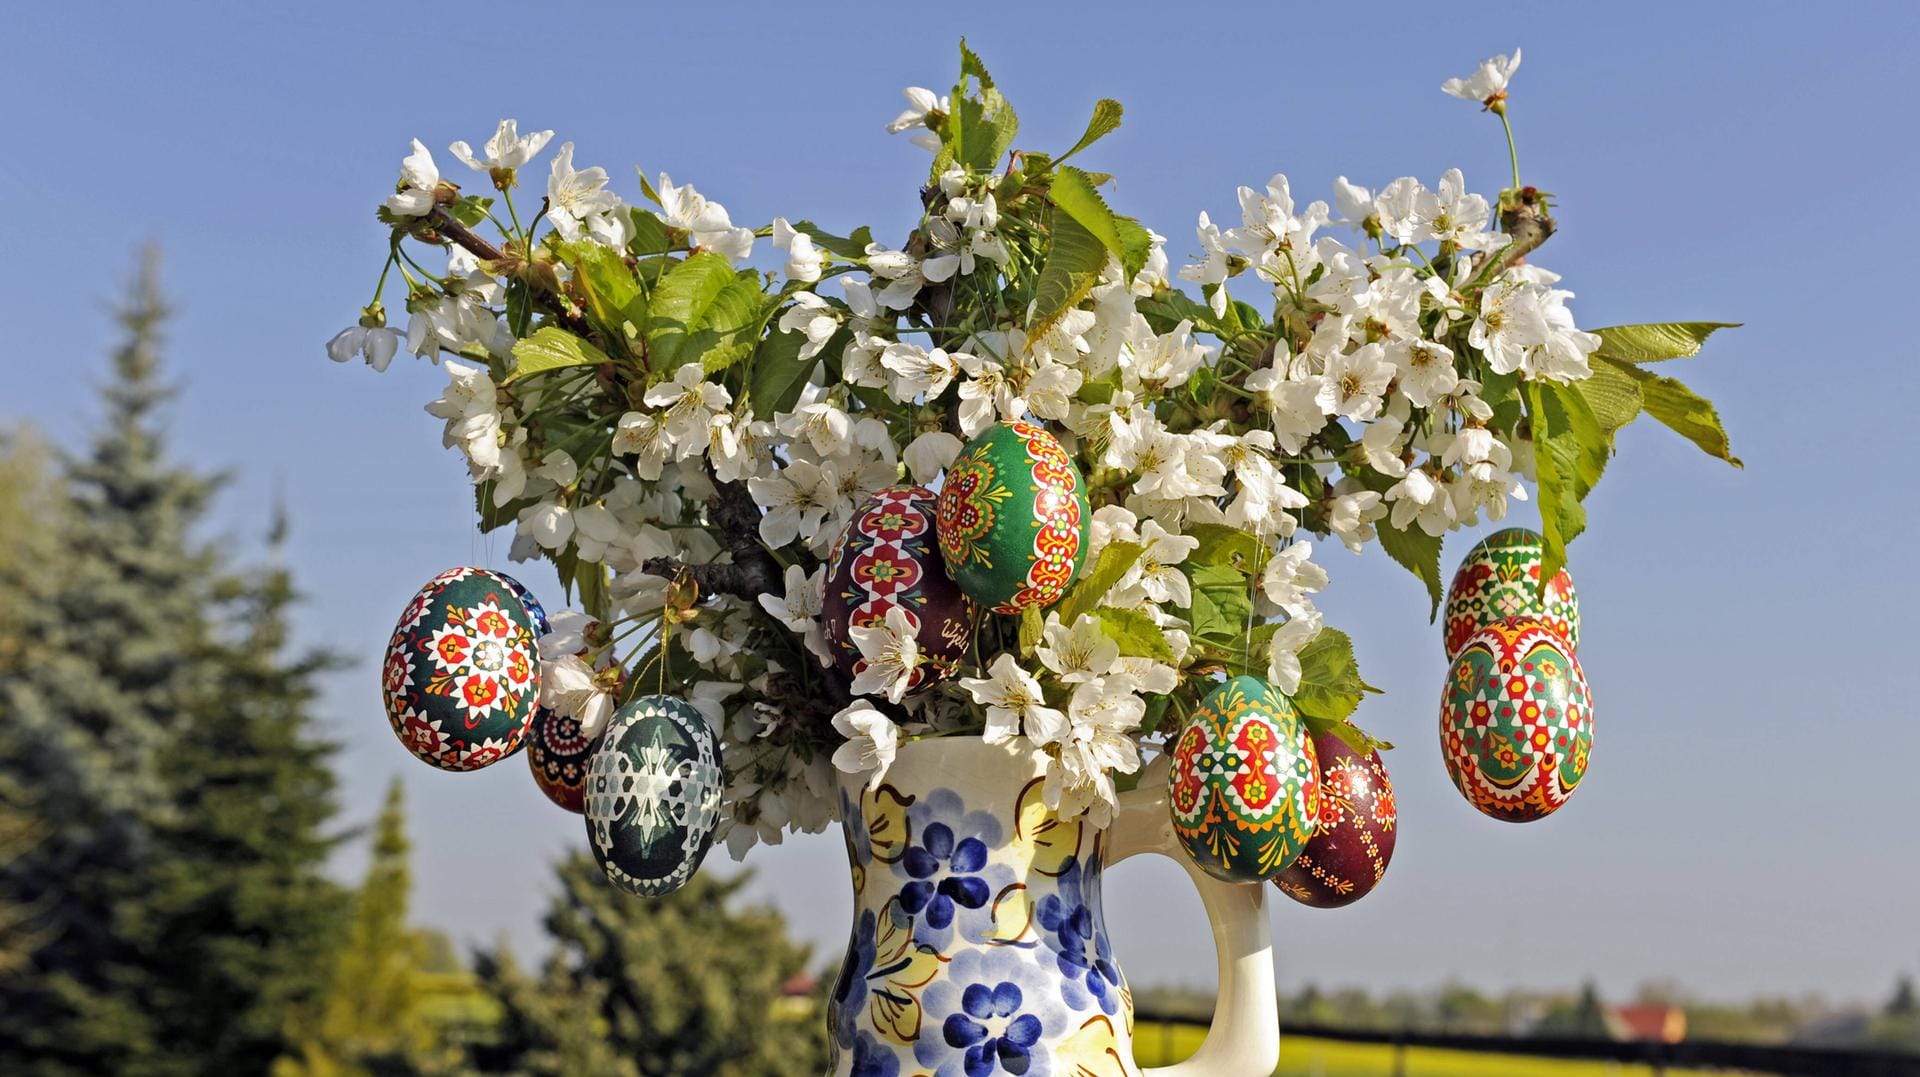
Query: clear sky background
[[1748, 821]]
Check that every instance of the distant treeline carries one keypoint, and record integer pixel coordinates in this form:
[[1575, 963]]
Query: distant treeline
[[1581, 1011]]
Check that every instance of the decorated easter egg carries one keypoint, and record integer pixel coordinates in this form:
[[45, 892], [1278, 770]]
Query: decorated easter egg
[[1353, 836], [1244, 784], [1012, 518], [461, 678], [558, 753], [1500, 578], [1516, 722], [888, 559], [653, 795]]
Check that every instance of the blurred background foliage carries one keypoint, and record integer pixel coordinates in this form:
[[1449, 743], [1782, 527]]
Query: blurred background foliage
[[168, 817]]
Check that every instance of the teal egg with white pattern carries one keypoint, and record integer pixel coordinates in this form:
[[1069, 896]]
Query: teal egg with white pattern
[[653, 795]]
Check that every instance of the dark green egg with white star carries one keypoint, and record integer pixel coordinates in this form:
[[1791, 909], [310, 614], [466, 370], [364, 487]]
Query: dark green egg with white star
[[653, 795]]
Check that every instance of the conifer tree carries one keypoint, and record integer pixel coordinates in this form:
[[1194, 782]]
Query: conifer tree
[[156, 736], [678, 986], [369, 1019]]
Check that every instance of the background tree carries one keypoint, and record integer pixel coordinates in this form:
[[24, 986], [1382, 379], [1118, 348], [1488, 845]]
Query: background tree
[[382, 977], [1585, 1015], [157, 733], [672, 987]]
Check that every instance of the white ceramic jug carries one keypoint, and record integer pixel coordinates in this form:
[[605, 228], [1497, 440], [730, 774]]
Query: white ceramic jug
[[979, 948]]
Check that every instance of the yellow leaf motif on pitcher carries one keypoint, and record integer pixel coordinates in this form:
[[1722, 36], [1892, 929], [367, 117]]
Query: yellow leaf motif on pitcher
[[1041, 839], [1094, 1051], [901, 967], [1012, 916], [885, 812]]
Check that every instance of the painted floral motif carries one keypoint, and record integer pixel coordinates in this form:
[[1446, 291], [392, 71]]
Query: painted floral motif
[[885, 560], [1012, 516], [978, 947], [1244, 784], [1500, 578], [459, 678]]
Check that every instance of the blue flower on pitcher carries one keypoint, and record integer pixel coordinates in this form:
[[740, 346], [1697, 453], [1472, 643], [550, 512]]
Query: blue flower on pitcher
[[871, 1058], [992, 1014], [1088, 975], [946, 873]]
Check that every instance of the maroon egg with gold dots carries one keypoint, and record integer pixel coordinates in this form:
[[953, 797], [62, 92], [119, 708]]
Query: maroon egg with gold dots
[[889, 558], [1353, 841], [558, 752]]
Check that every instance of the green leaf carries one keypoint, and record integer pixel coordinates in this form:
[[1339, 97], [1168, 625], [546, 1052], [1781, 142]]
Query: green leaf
[[853, 246], [552, 348], [1033, 625], [1106, 120], [1612, 394], [1580, 439], [470, 210], [1418, 553], [1168, 308], [1224, 545], [1074, 260], [701, 311], [779, 375], [1136, 633], [1330, 685], [1073, 191], [1114, 561], [979, 130], [1684, 411], [1655, 341], [649, 232], [1556, 460], [614, 297], [1245, 655], [1222, 601]]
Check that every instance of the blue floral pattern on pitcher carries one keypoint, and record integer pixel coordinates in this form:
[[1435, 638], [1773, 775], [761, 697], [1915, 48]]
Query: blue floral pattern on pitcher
[[978, 947]]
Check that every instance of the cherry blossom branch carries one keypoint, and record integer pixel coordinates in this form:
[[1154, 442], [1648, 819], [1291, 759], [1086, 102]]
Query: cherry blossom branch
[[1525, 218], [470, 241], [753, 572]]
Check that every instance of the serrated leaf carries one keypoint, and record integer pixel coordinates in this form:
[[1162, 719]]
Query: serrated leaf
[[1613, 395], [1562, 517], [1073, 191], [649, 232], [1224, 545], [1114, 561], [552, 348], [1222, 602], [1682, 410], [1244, 656], [702, 311], [470, 210], [979, 130], [1656, 341], [853, 246], [1033, 625], [1105, 121], [614, 298], [1330, 684], [1136, 633], [1074, 260], [1168, 308], [1418, 553]]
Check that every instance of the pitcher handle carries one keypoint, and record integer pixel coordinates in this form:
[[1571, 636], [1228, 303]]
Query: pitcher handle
[[1244, 1038]]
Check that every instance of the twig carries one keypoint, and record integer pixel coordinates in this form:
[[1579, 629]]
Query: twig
[[468, 240]]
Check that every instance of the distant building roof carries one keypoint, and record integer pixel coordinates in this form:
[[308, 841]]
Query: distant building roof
[[1661, 1024], [799, 984]]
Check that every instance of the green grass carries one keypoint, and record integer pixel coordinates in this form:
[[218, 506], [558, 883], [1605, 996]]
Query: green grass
[[1157, 1045]]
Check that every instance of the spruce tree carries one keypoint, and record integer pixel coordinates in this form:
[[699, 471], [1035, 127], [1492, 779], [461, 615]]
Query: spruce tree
[[682, 986], [155, 734]]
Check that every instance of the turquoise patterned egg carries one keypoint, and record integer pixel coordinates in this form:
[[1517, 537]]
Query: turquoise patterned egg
[[653, 795], [1012, 518], [461, 678], [1244, 785]]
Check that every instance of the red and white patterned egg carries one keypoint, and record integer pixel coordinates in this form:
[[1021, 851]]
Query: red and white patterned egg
[[558, 753], [1500, 578], [889, 558], [1516, 720], [461, 676]]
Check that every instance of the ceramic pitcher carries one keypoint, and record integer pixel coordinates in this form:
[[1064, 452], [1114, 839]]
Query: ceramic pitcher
[[978, 946]]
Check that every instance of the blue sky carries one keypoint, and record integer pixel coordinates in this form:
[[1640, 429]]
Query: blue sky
[[1747, 822]]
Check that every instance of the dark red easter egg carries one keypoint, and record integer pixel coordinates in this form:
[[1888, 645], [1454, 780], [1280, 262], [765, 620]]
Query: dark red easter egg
[[1353, 843], [888, 558], [558, 754]]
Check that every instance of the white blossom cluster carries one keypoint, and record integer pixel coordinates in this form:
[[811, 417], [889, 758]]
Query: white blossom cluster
[[1365, 408]]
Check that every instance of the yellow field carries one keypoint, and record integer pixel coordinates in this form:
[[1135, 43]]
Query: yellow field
[[1157, 1045]]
